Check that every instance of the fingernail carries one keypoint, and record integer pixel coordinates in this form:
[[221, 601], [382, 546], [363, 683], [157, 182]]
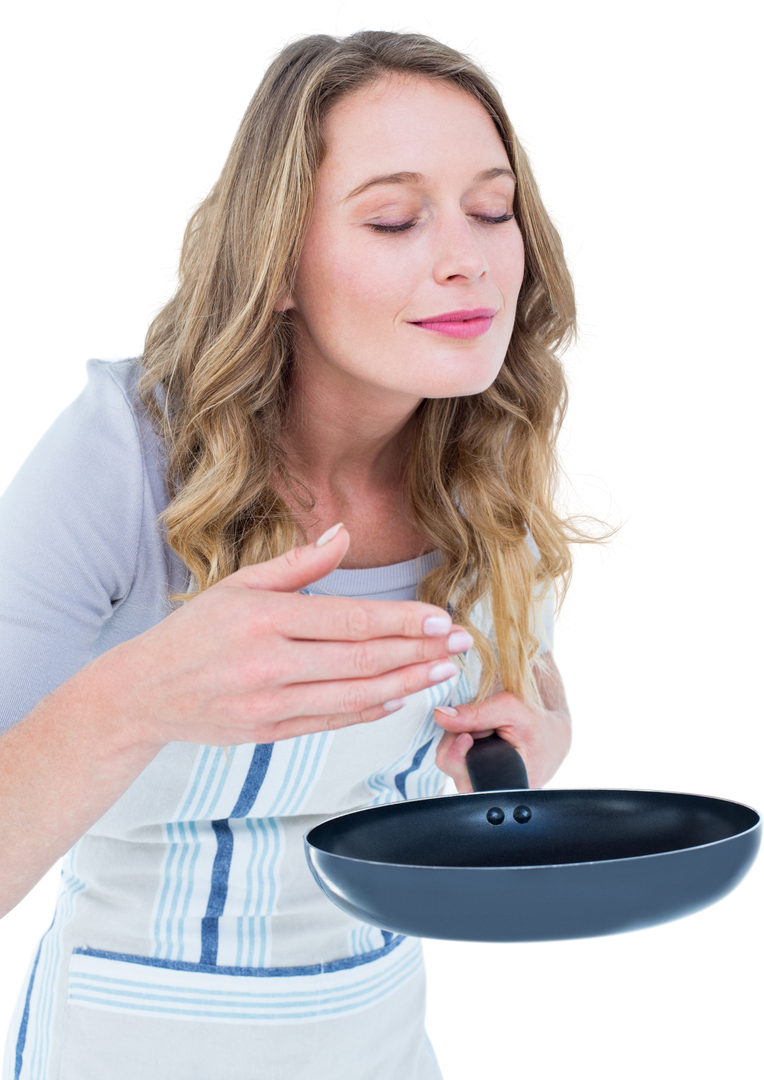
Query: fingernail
[[436, 625], [329, 535], [394, 705], [442, 671], [446, 709], [460, 641]]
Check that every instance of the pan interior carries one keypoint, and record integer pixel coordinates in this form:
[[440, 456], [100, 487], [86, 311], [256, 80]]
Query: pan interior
[[564, 827]]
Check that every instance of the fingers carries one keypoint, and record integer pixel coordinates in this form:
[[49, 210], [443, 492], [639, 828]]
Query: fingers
[[451, 759], [340, 703], [323, 660], [340, 618], [452, 751]]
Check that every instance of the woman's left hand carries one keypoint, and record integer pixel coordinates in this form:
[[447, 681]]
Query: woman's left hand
[[542, 738]]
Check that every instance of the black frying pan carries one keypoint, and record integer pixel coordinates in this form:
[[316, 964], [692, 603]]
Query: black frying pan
[[511, 864]]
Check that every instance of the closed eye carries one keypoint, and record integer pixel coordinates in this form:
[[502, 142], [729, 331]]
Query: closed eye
[[410, 224]]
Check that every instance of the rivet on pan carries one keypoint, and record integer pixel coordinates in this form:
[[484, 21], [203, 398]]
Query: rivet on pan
[[521, 814], [495, 815]]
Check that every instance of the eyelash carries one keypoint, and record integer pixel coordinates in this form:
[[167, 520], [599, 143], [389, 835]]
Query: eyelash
[[410, 224]]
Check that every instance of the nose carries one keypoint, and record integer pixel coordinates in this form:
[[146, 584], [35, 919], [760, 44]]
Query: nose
[[459, 255]]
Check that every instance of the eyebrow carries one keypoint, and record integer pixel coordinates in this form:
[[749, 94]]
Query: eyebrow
[[417, 178]]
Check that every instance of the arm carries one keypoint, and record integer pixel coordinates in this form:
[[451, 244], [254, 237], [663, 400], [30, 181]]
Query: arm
[[551, 688], [61, 768]]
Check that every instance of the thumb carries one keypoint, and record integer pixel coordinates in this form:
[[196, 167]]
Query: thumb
[[464, 717], [449, 717], [298, 567]]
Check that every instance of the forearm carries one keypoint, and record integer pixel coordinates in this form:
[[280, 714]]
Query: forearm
[[61, 769]]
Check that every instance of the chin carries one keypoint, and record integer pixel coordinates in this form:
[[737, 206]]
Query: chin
[[459, 386]]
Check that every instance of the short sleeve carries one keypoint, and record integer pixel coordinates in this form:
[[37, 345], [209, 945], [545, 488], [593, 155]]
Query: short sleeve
[[70, 526]]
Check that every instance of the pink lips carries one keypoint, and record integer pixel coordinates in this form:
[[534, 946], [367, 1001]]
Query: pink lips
[[460, 324]]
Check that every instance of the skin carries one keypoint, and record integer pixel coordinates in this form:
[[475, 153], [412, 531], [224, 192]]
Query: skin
[[365, 366], [542, 738]]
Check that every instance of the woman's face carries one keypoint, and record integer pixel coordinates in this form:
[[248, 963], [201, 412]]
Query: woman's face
[[408, 226]]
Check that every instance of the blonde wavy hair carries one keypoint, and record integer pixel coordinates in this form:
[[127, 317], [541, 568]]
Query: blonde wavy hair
[[483, 469]]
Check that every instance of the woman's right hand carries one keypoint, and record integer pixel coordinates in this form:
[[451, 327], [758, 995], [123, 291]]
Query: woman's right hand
[[252, 660]]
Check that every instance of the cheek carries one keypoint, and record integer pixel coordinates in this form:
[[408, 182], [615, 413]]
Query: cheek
[[364, 280], [321, 272]]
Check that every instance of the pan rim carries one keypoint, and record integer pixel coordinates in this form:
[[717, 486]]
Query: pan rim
[[756, 825]]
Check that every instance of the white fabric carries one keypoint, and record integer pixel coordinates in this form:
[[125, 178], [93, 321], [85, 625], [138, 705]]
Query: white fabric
[[190, 940]]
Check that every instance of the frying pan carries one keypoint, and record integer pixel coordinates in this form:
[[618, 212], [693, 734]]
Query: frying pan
[[510, 864]]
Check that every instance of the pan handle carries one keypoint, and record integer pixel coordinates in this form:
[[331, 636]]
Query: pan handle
[[494, 765]]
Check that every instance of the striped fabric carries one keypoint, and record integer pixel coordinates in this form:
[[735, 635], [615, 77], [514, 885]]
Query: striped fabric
[[190, 940]]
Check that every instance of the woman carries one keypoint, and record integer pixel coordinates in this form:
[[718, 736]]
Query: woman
[[364, 332]]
